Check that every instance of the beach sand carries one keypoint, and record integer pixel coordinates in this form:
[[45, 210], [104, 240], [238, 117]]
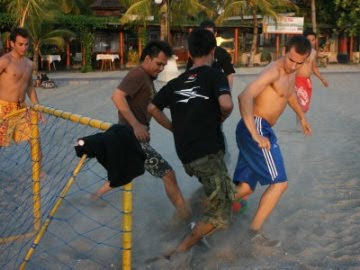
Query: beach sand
[[318, 218]]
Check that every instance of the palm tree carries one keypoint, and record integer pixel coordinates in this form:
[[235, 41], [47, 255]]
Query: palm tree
[[23, 9], [42, 33], [140, 10], [74, 6], [270, 8], [313, 15]]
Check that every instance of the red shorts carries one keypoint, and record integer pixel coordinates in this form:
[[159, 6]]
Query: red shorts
[[303, 90]]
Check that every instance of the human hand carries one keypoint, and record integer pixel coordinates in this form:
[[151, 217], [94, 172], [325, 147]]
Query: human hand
[[41, 118], [263, 142], [306, 127], [141, 132], [325, 82]]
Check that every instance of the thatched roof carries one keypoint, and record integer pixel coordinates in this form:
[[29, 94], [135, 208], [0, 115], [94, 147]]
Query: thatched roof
[[106, 4]]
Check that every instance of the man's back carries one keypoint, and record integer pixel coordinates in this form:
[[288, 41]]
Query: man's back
[[14, 78], [195, 111]]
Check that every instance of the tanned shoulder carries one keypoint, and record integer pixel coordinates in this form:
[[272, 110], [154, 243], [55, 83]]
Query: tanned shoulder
[[4, 62]]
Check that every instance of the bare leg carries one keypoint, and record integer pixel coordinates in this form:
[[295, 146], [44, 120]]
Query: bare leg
[[105, 188], [174, 194], [298, 124], [242, 190], [200, 230], [267, 203]]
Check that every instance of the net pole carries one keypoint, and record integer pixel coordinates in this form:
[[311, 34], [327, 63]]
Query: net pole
[[36, 168], [76, 118], [127, 227], [13, 238], [52, 212]]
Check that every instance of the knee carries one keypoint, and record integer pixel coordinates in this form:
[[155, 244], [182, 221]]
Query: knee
[[169, 177], [282, 186]]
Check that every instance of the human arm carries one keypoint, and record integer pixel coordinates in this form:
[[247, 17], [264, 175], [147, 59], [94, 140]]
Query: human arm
[[159, 116], [246, 102], [226, 106], [294, 104], [31, 92], [4, 62], [225, 62], [317, 73], [119, 99], [161, 100], [230, 78]]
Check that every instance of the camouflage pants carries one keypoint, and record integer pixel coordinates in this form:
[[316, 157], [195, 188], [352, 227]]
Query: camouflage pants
[[219, 189]]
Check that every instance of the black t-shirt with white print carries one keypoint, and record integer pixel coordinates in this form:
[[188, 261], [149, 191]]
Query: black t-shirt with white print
[[195, 111]]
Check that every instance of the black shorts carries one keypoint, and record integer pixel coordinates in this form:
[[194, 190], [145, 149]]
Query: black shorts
[[155, 164]]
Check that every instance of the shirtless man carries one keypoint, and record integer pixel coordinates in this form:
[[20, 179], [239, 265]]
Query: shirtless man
[[261, 104], [15, 83], [303, 84]]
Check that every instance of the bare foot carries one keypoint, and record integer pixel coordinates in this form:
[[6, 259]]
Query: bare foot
[[96, 200]]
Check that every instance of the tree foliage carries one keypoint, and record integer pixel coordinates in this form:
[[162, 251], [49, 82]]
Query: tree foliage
[[6, 21], [181, 11], [268, 8], [348, 19], [24, 9]]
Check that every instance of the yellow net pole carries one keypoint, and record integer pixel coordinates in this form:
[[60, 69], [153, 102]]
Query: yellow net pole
[[13, 114], [36, 168], [37, 214], [14, 238], [53, 212], [127, 225], [73, 117]]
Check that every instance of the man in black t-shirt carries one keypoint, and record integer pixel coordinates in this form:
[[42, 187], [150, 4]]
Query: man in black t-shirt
[[222, 59], [199, 101]]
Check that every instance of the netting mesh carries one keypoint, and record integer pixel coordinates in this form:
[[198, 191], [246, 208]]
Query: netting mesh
[[81, 234]]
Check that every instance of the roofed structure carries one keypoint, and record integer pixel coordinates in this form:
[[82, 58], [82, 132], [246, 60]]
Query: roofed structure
[[107, 8]]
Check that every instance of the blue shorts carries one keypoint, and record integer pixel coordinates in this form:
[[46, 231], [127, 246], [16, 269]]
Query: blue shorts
[[254, 163]]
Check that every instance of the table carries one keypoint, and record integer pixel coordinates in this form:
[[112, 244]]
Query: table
[[107, 59], [50, 58]]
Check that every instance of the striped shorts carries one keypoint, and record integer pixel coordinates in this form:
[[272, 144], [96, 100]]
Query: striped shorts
[[254, 163]]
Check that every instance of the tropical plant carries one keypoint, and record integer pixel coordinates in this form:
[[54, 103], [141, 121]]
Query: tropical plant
[[84, 26], [313, 16], [42, 33], [138, 11], [269, 8], [349, 18], [24, 9], [74, 6], [6, 21]]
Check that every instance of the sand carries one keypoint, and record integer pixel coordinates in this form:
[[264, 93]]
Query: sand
[[317, 220]]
